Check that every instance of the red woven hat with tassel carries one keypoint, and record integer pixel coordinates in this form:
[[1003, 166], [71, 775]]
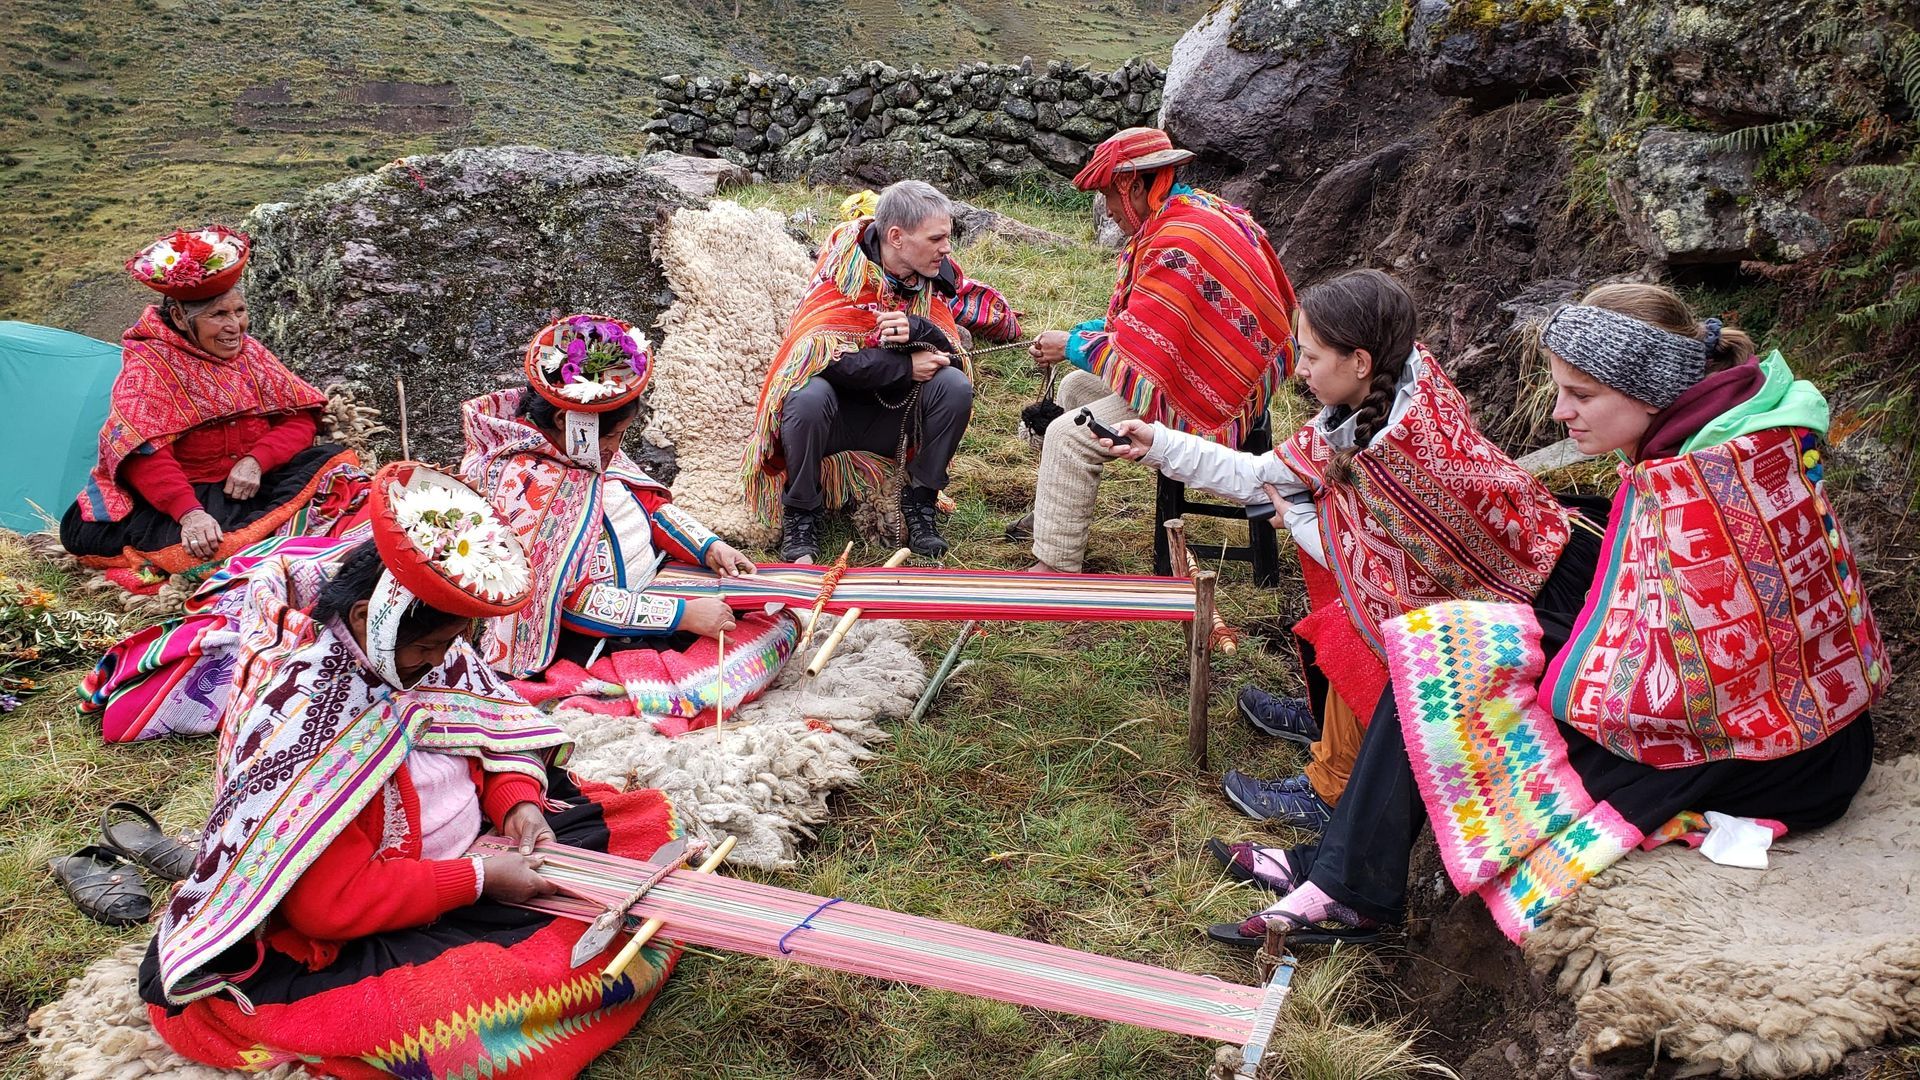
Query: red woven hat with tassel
[[446, 544], [1130, 150], [197, 264], [588, 363]]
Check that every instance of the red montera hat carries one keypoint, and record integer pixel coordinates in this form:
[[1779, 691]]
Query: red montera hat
[[196, 265], [588, 363]]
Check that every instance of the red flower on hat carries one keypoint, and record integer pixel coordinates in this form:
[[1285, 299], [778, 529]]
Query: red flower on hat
[[186, 274], [191, 248]]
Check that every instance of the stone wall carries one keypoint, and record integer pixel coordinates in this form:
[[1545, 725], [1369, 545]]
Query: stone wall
[[978, 125]]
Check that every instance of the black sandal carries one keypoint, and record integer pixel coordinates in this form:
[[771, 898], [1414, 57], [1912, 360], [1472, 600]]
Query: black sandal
[[1312, 934], [1225, 854], [103, 886], [144, 843]]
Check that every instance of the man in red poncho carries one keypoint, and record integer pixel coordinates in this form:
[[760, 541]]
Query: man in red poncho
[[1196, 337]]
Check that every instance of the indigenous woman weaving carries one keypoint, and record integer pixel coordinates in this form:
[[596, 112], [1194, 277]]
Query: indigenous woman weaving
[[1725, 658], [333, 919], [1395, 501], [597, 529], [208, 447]]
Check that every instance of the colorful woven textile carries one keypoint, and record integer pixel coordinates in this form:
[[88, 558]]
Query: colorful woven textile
[[555, 506], [484, 991], [720, 912], [1514, 822], [174, 678], [1435, 511], [168, 386], [947, 593], [1729, 619], [675, 690], [285, 790], [1199, 330], [839, 312]]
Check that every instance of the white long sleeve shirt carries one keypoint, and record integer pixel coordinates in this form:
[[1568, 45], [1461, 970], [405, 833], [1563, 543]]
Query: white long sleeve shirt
[[1237, 475]]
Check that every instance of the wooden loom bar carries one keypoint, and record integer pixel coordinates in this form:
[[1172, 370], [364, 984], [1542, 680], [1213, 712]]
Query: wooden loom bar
[[827, 647], [652, 926]]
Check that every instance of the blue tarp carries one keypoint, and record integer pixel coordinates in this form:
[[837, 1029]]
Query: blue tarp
[[54, 390]]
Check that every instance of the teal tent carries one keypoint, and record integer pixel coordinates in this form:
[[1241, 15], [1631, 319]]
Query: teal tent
[[54, 389]]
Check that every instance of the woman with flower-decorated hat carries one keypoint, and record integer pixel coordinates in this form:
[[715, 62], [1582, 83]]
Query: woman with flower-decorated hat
[[596, 528], [334, 918], [209, 443]]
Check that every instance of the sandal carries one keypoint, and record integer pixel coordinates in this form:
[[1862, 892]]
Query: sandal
[[103, 886], [1241, 870], [1311, 934], [142, 842]]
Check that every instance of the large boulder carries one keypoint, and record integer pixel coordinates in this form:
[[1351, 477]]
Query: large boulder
[[437, 269]]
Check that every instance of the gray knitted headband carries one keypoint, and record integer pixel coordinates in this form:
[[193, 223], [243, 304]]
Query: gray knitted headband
[[1641, 361]]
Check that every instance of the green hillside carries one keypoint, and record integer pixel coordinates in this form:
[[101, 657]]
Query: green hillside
[[120, 118]]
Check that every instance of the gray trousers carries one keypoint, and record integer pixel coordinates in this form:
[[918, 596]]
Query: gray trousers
[[820, 419]]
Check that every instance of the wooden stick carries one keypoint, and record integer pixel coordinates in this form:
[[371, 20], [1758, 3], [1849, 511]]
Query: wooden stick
[[400, 390], [820, 605], [1224, 638], [652, 926], [846, 622], [1199, 661], [946, 668]]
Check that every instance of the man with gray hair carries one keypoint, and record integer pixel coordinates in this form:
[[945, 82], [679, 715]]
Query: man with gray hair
[[871, 375]]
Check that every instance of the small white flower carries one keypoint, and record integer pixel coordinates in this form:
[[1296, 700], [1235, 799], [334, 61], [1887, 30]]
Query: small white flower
[[551, 358], [586, 390]]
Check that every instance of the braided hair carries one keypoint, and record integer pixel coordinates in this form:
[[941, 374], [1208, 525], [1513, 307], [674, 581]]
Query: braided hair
[[1363, 309]]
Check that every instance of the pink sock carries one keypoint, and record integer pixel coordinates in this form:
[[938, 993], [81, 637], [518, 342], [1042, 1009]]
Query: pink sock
[[1305, 906]]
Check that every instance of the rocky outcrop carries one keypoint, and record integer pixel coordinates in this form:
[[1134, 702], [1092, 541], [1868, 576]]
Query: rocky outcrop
[[437, 269], [978, 125]]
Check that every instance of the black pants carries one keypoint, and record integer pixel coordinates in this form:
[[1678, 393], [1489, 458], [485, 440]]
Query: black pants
[[819, 420], [1362, 858], [147, 529]]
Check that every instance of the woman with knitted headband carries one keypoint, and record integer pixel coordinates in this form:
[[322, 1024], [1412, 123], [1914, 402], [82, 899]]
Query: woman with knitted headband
[[209, 447], [596, 528], [334, 918], [1725, 659], [1395, 501]]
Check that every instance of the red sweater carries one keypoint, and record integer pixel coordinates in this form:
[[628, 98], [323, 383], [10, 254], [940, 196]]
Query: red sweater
[[363, 884], [206, 454]]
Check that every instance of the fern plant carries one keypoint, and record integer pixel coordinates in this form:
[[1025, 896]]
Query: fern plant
[[1761, 136]]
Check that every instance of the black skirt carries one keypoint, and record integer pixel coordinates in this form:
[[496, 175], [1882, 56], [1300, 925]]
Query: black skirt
[[148, 529]]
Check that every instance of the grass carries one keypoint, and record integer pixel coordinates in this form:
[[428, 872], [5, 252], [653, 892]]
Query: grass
[[120, 119], [1047, 794]]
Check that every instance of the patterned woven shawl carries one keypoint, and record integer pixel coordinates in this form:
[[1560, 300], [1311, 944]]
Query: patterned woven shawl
[[1728, 620], [1199, 331], [316, 737], [835, 318], [166, 388], [552, 504], [1435, 512]]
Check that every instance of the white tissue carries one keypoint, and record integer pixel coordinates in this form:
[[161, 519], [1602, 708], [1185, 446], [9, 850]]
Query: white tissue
[[1736, 841]]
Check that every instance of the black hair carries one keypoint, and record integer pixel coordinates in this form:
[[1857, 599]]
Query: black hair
[[355, 581], [545, 415]]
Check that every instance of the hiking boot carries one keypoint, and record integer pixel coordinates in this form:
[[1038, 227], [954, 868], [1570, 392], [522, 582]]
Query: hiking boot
[[1289, 801], [923, 532], [799, 535], [1020, 530], [1283, 718]]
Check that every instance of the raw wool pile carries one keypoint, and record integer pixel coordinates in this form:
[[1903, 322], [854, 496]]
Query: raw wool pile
[[765, 778], [99, 1030], [1771, 973], [737, 278]]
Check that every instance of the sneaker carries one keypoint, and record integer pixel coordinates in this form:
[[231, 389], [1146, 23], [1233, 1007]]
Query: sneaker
[[1283, 718], [1289, 802], [1021, 529], [923, 531], [799, 535]]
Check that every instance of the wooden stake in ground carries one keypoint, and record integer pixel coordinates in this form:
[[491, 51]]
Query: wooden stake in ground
[[652, 926], [946, 668], [1200, 663], [846, 622], [400, 392]]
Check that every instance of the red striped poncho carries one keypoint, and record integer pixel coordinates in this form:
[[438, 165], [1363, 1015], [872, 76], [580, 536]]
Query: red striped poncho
[[1199, 331]]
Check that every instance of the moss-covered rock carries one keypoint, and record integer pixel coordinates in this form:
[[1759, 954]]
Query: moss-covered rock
[[438, 269]]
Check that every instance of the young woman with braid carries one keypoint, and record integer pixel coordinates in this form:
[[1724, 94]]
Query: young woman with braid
[[1725, 659], [1396, 501]]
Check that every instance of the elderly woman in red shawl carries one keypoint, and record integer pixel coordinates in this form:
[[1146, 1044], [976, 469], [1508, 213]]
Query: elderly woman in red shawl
[[209, 445]]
